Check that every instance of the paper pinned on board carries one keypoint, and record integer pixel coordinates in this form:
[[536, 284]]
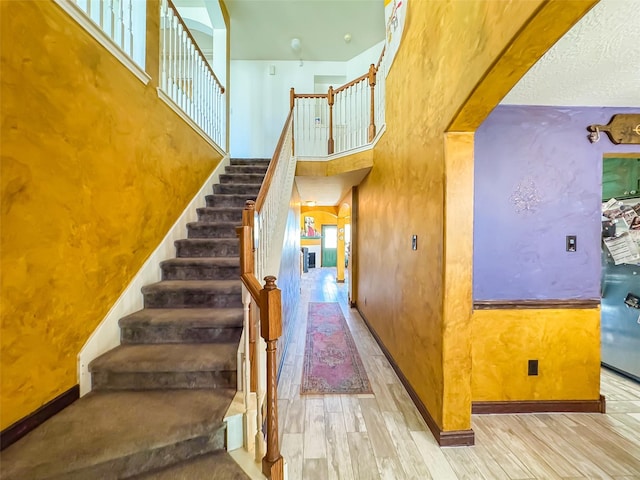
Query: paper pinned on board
[[623, 249]]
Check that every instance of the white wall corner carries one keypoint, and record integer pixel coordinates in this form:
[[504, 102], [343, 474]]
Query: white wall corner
[[107, 335]]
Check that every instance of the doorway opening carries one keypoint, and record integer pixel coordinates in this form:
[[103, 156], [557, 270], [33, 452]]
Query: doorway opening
[[329, 246], [620, 287]]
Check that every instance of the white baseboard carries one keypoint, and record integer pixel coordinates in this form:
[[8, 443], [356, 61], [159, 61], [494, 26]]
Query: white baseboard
[[107, 335]]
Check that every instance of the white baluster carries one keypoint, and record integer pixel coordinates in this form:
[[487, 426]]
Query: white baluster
[[185, 62], [176, 61], [130, 27], [163, 45], [197, 87], [111, 19], [246, 301], [121, 24], [192, 67], [172, 58], [259, 438]]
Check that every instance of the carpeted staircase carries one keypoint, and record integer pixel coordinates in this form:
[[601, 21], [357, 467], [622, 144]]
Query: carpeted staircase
[[158, 400]]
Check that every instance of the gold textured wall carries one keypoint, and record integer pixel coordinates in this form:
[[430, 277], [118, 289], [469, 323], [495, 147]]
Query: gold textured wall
[[565, 342], [446, 69], [95, 170]]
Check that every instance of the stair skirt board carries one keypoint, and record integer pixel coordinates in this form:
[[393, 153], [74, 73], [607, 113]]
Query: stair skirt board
[[107, 335]]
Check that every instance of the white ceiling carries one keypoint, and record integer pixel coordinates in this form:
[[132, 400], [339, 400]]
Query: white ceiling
[[263, 29]]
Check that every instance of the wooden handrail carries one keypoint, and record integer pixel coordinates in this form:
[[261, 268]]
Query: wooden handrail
[[266, 183], [253, 285], [195, 44], [352, 83], [310, 95], [381, 57]]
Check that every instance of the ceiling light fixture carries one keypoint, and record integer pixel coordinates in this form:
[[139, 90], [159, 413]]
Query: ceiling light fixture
[[347, 37], [311, 203], [296, 46]]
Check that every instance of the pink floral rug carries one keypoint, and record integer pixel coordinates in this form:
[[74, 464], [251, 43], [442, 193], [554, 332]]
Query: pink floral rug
[[331, 361]]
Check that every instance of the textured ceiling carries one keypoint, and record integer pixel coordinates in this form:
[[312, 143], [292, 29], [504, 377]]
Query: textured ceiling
[[597, 63]]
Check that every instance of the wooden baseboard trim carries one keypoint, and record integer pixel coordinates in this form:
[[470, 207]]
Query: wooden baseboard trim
[[20, 428], [535, 304], [541, 406], [456, 438]]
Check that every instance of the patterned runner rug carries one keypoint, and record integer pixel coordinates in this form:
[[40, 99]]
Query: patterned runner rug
[[332, 364]]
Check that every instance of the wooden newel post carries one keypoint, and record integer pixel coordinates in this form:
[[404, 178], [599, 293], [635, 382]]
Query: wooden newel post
[[372, 118], [271, 326], [330, 99]]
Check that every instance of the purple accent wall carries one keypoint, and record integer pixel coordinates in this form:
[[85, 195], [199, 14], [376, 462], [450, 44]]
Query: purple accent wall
[[537, 180]]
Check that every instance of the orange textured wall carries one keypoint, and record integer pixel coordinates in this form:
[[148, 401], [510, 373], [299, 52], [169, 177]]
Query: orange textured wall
[[95, 169], [565, 342], [411, 300]]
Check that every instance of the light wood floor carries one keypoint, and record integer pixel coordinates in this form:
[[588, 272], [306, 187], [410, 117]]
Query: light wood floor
[[382, 436]]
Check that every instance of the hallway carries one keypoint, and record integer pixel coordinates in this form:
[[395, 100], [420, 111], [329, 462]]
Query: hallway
[[382, 436]]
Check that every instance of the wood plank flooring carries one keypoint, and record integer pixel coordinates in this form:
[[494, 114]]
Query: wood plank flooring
[[382, 436]]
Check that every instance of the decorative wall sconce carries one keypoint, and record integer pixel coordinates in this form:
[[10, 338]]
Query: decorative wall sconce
[[623, 128]]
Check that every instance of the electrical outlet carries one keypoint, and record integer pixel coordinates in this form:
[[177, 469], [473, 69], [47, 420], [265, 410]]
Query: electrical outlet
[[533, 368]]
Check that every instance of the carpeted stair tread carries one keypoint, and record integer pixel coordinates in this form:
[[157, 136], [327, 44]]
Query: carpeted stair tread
[[229, 199], [182, 325], [242, 178], [229, 262], [250, 161], [196, 317], [223, 214], [178, 357], [207, 247], [218, 466], [224, 224], [109, 435], [236, 188], [256, 169], [230, 208], [219, 286]]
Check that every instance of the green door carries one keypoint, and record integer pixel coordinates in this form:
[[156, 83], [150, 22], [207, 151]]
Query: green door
[[329, 247], [620, 178]]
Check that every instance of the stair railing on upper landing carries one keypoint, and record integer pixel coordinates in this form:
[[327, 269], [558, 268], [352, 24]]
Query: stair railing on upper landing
[[187, 81], [187, 78], [344, 118], [259, 259]]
